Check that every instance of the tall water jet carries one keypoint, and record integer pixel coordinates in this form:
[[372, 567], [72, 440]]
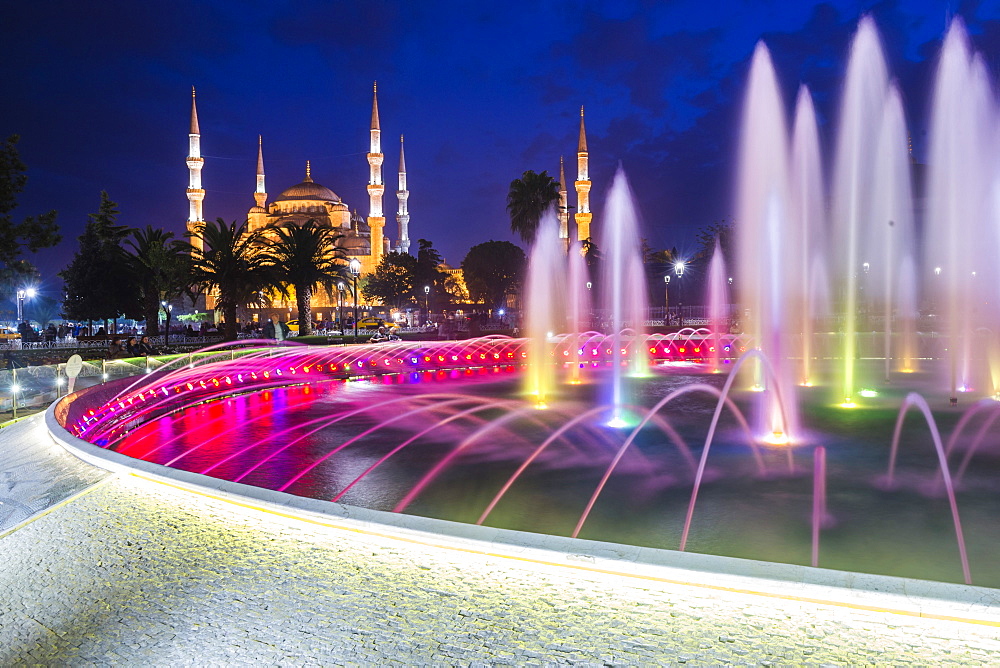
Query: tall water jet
[[767, 266], [861, 113], [908, 312], [544, 289], [718, 299], [623, 286], [579, 305], [961, 232], [890, 233], [808, 198]]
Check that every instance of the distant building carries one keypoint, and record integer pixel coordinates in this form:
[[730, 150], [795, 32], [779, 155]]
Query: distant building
[[362, 237]]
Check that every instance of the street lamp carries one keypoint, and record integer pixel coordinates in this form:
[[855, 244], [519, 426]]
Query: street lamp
[[355, 266], [679, 270], [666, 299], [167, 309], [427, 302], [340, 306], [21, 294]]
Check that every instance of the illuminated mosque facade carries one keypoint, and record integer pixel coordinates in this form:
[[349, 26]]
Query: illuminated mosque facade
[[362, 237]]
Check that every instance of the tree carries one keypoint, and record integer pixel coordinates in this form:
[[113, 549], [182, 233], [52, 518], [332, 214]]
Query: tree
[[303, 256], [98, 283], [393, 279], [427, 272], [231, 263], [160, 266], [15, 276], [493, 270], [527, 199], [723, 230], [454, 287], [33, 232]]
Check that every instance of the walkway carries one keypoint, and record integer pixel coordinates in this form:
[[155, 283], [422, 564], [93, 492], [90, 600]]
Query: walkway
[[138, 573]]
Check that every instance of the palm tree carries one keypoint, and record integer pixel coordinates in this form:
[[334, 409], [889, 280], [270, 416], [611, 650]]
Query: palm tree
[[302, 257], [527, 199], [161, 267], [231, 263]]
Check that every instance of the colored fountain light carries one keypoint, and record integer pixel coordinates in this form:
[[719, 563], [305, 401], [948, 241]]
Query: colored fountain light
[[709, 436]]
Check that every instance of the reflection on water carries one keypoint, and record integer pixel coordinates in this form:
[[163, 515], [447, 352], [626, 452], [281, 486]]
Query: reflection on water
[[294, 439]]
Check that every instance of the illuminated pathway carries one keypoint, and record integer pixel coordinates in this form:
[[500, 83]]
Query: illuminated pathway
[[139, 573]]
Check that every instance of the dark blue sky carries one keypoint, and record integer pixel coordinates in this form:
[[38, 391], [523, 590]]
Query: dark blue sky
[[100, 93]]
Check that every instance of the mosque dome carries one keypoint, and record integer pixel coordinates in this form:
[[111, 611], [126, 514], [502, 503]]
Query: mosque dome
[[308, 190]]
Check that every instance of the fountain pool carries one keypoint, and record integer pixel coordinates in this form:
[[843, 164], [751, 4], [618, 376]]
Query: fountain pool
[[461, 440]]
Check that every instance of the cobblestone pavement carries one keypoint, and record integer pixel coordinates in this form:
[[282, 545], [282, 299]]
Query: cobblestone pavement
[[138, 573], [35, 473]]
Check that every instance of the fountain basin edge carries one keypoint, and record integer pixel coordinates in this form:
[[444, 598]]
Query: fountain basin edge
[[877, 593]]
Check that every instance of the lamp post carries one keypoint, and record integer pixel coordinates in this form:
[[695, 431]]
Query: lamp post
[[340, 306], [167, 309], [355, 266], [679, 270], [21, 294], [666, 299], [427, 303]]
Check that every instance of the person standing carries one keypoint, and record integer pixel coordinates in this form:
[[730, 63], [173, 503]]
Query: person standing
[[276, 329]]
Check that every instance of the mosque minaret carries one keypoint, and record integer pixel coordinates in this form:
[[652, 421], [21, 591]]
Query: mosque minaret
[[402, 213], [376, 218], [583, 215], [260, 194], [195, 193]]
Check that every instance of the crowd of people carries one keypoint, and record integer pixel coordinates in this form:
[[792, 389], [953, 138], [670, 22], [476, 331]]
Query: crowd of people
[[133, 347]]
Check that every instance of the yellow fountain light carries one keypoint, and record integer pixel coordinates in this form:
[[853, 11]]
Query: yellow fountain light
[[806, 383], [776, 438], [868, 393], [541, 405], [848, 403], [757, 388]]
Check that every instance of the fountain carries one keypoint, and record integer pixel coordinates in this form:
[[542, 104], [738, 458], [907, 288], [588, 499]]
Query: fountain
[[643, 441]]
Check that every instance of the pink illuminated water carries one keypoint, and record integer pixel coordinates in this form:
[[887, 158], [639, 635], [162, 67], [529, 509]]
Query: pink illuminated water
[[853, 179], [808, 215], [545, 291], [769, 266], [622, 273], [718, 299], [962, 234]]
